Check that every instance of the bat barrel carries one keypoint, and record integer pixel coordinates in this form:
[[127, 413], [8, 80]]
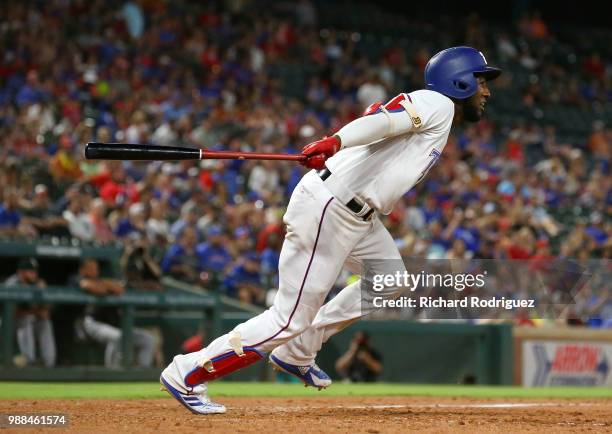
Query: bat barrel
[[124, 151]]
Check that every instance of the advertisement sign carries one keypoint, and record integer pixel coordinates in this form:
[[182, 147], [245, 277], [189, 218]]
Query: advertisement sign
[[566, 363]]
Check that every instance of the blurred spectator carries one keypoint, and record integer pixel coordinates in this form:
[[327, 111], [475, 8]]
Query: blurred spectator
[[79, 222], [600, 144], [213, 255], [40, 216], [306, 13], [189, 218], [10, 217], [132, 13], [243, 241], [270, 258], [180, 260], [244, 281], [102, 323], [505, 47], [114, 185], [131, 225], [157, 224], [33, 322], [63, 166], [361, 362], [139, 268], [264, 180], [537, 27], [371, 91], [457, 250], [595, 66], [101, 228]]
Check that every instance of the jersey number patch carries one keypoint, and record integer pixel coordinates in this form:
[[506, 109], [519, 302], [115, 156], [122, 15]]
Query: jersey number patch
[[434, 154]]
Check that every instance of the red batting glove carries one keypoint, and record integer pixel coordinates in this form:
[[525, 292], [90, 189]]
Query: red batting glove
[[327, 146], [316, 162], [322, 150]]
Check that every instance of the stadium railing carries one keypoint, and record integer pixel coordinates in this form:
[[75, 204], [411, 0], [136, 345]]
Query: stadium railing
[[170, 299]]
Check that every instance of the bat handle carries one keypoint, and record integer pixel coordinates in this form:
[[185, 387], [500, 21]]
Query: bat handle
[[236, 155]]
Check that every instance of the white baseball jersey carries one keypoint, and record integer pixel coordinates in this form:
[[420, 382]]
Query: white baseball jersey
[[382, 171]]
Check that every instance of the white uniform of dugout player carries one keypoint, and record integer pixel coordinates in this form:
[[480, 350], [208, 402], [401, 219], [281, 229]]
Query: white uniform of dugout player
[[332, 219]]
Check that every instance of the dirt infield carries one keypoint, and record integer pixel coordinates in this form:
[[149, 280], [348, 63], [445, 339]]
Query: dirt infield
[[321, 414]]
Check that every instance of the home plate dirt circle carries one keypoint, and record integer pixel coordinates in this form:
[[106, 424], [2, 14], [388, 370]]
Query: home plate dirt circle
[[334, 414]]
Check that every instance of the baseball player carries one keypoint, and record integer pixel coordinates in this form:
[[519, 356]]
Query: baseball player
[[331, 219]]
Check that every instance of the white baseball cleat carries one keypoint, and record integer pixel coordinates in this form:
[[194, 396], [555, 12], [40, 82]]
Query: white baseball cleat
[[196, 402]]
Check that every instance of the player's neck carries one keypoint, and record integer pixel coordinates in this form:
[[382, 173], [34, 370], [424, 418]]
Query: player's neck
[[458, 116]]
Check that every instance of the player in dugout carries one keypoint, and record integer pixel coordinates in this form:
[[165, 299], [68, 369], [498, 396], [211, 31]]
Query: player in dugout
[[332, 219]]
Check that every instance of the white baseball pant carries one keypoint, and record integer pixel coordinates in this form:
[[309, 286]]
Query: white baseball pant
[[322, 235], [145, 342], [29, 329]]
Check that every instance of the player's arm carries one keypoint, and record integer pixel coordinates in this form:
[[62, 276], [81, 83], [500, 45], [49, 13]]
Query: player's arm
[[344, 362], [379, 122], [93, 286], [370, 361], [113, 286]]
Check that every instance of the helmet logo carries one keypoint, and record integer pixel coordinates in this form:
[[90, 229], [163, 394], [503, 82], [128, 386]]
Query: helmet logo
[[483, 58]]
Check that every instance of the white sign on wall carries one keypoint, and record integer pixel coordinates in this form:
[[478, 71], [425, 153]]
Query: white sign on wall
[[566, 363]]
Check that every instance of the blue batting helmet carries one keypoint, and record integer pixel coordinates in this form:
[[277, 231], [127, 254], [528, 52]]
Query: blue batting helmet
[[453, 72]]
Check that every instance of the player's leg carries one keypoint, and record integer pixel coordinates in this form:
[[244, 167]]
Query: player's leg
[[46, 338], [347, 307], [25, 336], [105, 334], [320, 234], [145, 343]]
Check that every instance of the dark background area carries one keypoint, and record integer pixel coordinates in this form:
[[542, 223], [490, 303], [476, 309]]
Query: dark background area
[[588, 12]]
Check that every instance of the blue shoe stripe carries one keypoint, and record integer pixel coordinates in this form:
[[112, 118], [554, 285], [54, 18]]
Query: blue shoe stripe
[[294, 370], [176, 394], [189, 401], [289, 368]]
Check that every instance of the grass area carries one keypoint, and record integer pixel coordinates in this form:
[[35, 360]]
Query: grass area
[[13, 390]]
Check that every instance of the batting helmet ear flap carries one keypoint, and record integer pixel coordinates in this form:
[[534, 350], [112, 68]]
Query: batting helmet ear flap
[[460, 84], [465, 85]]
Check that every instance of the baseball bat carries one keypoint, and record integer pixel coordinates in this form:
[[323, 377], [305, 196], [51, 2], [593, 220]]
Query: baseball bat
[[146, 152]]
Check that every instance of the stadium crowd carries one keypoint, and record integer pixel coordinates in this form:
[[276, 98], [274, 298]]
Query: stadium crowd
[[210, 75]]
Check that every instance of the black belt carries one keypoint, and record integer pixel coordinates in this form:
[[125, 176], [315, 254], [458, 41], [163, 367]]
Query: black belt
[[354, 204]]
